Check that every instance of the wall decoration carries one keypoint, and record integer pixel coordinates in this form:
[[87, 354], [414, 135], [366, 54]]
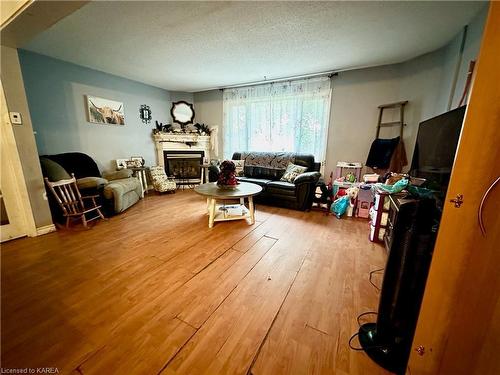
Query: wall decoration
[[182, 112], [145, 113], [132, 162], [160, 128], [138, 161], [121, 163], [202, 129], [105, 111]]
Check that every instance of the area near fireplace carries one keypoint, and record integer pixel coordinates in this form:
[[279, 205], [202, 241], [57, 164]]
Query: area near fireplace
[[182, 155], [184, 165]]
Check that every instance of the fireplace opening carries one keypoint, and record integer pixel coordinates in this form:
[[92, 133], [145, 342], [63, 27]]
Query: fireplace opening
[[185, 166]]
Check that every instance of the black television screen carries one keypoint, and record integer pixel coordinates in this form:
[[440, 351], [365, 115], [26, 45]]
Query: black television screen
[[435, 149]]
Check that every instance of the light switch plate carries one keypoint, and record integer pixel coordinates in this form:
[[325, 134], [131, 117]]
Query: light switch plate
[[15, 118]]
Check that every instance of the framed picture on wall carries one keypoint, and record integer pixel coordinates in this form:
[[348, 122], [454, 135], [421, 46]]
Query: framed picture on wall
[[105, 111], [131, 163], [121, 163], [138, 160]]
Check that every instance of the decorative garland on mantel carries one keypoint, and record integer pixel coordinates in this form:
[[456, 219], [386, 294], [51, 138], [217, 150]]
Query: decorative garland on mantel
[[188, 138], [172, 137], [200, 129]]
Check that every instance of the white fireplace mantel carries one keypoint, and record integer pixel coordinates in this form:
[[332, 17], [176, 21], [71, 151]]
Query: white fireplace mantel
[[178, 142]]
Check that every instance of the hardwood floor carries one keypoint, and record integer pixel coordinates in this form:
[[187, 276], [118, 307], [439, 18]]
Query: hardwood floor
[[154, 290]]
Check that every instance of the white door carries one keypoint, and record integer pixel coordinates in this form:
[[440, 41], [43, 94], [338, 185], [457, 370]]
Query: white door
[[12, 216]]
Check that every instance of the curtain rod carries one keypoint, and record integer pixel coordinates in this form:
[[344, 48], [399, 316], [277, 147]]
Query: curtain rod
[[330, 74]]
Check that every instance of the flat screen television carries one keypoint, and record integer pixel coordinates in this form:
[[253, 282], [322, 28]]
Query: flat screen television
[[435, 149]]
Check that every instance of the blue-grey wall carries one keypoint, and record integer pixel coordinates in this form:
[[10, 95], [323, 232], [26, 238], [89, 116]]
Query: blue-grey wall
[[56, 93]]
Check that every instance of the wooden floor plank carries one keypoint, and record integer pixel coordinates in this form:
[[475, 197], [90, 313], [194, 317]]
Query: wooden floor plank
[[229, 339], [155, 289], [152, 344], [311, 333], [196, 299], [201, 301]]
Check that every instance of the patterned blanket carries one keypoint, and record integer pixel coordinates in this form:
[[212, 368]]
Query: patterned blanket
[[271, 160]]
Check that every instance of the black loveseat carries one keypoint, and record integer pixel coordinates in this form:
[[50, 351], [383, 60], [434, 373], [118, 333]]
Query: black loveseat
[[267, 168]]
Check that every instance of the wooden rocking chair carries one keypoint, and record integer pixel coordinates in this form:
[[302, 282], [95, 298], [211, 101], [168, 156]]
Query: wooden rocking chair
[[71, 201]]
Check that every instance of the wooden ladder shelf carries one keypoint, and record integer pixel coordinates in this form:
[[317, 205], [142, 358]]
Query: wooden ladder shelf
[[397, 105]]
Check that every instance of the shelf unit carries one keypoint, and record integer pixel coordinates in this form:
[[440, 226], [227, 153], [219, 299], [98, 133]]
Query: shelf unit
[[379, 216]]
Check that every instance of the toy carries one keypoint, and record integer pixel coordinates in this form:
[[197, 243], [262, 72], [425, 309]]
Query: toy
[[371, 178], [346, 202], [350, 177], [323, 196], [352, 168], [340, 193], [352, 193], [339, 206], [365, 201], [330, 182], [394, 177], [396, 188]]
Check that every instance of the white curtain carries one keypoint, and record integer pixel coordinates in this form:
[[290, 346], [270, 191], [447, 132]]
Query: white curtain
[[283, 116]]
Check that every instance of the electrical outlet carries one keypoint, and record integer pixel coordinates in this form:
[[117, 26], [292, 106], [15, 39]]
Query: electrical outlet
[[15, 118]]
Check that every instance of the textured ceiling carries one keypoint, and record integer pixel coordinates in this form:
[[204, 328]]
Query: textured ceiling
[[193, 46]]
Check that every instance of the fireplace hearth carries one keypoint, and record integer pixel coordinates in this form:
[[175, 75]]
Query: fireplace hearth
[[183, 155], [184, 165]]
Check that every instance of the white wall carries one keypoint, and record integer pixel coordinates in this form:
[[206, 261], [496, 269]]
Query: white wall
[[353, 117], [356, 95], [208, 109], [176, 96], [424, 81], [420, 85]]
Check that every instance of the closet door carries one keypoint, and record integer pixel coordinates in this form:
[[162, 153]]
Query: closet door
[[458, 330]]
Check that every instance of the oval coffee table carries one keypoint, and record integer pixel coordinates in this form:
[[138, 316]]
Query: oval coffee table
[[223, 212]]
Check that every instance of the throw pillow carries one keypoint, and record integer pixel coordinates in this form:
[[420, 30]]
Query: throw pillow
[[53, 171], [292, 171], [240, 166]]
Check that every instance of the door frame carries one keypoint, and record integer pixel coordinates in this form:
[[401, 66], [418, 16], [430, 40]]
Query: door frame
[[18, 182]]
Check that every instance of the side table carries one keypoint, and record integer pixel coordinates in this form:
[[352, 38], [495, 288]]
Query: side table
[[204, 173], [140, 173]]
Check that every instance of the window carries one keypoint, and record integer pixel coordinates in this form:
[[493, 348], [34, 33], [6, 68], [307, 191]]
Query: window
[[288, 116]]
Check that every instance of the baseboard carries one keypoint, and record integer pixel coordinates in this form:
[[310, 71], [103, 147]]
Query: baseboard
[[40, 231]]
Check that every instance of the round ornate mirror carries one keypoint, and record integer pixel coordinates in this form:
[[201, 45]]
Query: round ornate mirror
[[182, 112]]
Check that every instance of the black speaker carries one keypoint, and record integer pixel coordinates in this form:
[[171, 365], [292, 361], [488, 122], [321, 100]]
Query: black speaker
[[410, 237]]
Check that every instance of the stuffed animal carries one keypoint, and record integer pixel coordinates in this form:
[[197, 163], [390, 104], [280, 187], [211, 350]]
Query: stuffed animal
[[345, 202], [394, 177], [352, 193], [350, 177]]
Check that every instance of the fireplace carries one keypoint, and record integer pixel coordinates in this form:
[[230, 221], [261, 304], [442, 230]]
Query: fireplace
[[184, 165]]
